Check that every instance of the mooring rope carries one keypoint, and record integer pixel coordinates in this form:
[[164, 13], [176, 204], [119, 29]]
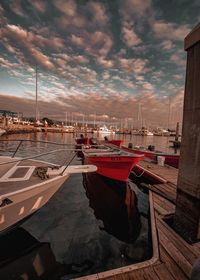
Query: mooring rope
[[138, 175]]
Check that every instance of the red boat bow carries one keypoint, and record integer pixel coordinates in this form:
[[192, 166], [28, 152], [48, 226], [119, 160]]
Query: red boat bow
[[113, 165]]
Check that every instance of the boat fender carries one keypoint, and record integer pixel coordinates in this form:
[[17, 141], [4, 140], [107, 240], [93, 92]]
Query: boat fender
[[130, 145], [151, 148], [5, 201]]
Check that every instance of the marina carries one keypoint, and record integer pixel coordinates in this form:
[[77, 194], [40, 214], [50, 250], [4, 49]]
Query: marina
[[86, 215], [99, 140], [162, 199], [165, 261]]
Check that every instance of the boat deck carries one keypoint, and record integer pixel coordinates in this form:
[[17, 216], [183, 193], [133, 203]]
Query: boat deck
[[176, 256], [166, 173], [35, 177]]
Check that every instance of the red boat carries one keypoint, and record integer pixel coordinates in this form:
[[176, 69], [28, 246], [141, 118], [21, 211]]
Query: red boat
[[170, 159], [90, 141], [115, 165], [117, 143]]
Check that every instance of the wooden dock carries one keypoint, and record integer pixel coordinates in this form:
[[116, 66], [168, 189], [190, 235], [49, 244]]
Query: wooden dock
[[175, 257]]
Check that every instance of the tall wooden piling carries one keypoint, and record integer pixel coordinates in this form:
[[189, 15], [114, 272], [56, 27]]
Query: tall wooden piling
[[187, 214], [177, 132]]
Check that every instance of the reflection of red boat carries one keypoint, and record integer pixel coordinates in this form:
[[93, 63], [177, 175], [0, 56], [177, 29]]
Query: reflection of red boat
[[170, 159], [115, 165], [116, 204]]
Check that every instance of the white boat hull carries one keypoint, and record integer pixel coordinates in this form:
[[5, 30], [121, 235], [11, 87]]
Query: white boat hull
[[28, 184], [27, 202]]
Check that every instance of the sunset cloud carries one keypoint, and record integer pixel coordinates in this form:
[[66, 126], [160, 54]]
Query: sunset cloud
[[99, 56], [167, 45], [97, 43], [119, 105], [170, 30], [129, 36], [136, 7], [137, 66], [17, 8], [39, 5], [98, 12]]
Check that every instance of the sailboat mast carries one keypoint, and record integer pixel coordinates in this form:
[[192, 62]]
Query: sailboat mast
[[36, 95], [169, 113]]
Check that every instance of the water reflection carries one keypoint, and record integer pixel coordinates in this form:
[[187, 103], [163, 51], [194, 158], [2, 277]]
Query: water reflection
[[160, 142], [23, 257], [115, 203]]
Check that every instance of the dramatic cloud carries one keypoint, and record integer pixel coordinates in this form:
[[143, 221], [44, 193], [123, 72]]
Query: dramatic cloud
[[17, 8], [167, 45], [129, 36], [136, 66], [96, 43], [94, 57], [39, 5], [170, 31], [136, 7]]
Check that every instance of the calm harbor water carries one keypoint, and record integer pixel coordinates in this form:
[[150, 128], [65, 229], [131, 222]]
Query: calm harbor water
[[91, 224]]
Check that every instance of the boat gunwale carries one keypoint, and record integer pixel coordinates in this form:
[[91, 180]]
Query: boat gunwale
[[160, 153], [112, 154]]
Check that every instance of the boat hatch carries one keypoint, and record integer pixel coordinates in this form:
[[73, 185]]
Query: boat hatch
[[18, 173]]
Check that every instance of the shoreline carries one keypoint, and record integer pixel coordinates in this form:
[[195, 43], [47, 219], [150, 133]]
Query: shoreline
[[17, 129]]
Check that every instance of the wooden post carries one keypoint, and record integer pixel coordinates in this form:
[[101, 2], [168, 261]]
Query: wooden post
[[177, 132], [187, 214]]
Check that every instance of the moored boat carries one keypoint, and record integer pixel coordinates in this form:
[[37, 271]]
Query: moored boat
[[116, 142], [27, 184], [112, 164], [104, 130], [145, 132], [92, 141], [170, 159]]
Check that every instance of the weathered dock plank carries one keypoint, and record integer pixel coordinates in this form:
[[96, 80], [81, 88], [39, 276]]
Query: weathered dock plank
[[191, 252], [171, 249], [171, 265], [162, 272], [167, 189], [163, 206], [166, 173]]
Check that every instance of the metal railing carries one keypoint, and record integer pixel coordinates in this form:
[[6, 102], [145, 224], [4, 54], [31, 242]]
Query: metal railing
[[46, 153]]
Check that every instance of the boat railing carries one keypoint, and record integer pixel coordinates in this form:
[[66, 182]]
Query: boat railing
[[70, 148]]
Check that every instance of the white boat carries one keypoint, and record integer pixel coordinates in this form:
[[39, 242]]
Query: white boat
[[2, 131], [145, 132], [104, 130], [26, 184], [161, 132]]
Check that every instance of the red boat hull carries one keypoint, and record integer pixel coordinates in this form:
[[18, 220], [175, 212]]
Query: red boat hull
[[170, 159], [114, 167], [116, 142]]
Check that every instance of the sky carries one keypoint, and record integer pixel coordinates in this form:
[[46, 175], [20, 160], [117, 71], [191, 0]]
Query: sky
[[108, 59]]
